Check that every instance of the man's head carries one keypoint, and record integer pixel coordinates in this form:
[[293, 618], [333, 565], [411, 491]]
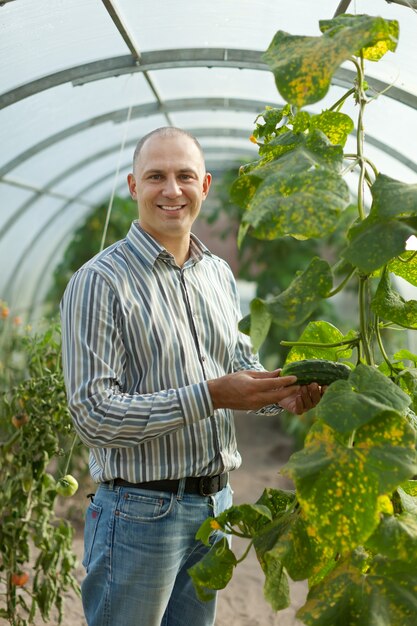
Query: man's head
[[169, 183], [164, 131]]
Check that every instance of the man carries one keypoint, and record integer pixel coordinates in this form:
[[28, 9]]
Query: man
[[154, 365]]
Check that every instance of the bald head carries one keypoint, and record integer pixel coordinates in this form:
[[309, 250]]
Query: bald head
[[164, 131]]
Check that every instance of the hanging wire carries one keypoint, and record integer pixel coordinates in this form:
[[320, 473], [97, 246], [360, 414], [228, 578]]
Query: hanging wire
[[116, 175]]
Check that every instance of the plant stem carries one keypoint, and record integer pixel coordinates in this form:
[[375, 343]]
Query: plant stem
[[363, 283], [360, 135], [70, 454], [245, 554], [342, 284], [380, 344], [312, 344], [337, 105]]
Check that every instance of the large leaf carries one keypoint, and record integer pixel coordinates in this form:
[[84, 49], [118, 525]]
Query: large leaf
[[393, 198], [297, 547], [214, 570], [276, 587], [338, 485], [349, 404], [303, 66], [396, 538], [365, 250], [385, 596], [320, 333], [260, 322], [299, 192], [406, 268], [391, 306], [306, 205], [294, 305], [386, 34]]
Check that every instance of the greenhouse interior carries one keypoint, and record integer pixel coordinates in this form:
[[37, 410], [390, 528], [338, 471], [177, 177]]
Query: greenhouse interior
[[306, 113]]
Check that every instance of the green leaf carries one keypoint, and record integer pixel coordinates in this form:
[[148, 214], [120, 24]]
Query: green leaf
[[408, 502], [303, 66], [321, 332], [294, 305], [300, 551], [296, 189], [406, 355], [306, 205], [214, 570], [390, 305], [395, 537], [365, 250], [249, 518], [349, 404], [385, 34], [260, 322], [335, 125], [205, 530], [276, 588], [407, 270], [277, 500], [393, 198], [384, 596], [338, 486]]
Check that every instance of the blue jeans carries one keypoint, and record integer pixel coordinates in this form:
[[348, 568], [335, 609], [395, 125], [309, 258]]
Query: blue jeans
[[138, 546]]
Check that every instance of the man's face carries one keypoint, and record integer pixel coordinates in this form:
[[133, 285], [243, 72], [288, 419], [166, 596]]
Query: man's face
[[169, 185]]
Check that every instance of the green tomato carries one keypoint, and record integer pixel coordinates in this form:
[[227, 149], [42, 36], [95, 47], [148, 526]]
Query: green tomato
[[67, 486]]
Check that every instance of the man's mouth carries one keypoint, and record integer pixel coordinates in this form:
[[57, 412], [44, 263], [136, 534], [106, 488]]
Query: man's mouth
[[169, 207]]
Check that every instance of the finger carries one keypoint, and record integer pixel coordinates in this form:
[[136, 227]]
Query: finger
[[306, 398], [275, 384], [315, 393]]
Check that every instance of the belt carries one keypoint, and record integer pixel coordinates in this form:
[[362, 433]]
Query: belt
[[203, 486]]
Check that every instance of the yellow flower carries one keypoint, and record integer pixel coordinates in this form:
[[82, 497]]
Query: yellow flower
[[214, 524]]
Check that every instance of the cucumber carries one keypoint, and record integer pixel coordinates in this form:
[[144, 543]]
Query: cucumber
[[316, 371]]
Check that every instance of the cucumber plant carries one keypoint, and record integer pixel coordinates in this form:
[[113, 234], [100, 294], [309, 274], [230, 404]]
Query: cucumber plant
[[349, 528]]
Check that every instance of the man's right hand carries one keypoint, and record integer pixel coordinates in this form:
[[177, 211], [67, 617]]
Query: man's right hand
[[249, 390]]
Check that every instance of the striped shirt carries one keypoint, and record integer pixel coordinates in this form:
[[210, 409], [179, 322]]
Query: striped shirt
[[141, 337]]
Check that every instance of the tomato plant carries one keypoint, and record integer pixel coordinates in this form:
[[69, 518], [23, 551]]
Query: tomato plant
[[37, 561], [350, 526]]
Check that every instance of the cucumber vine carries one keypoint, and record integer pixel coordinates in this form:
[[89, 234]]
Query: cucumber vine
[[349, 528]]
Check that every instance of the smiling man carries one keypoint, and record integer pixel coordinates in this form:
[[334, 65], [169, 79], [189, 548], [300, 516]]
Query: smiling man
[[154, 366]]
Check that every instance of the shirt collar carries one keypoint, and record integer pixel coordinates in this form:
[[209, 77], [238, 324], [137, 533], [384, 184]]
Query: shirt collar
[[149, 250]]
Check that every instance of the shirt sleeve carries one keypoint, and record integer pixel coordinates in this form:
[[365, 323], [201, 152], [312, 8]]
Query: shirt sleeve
[[93, 365]]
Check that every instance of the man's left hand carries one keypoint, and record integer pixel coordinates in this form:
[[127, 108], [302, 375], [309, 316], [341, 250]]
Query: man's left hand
[[306, 398]]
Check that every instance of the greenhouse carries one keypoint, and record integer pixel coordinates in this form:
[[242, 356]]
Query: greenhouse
[[306, 113]]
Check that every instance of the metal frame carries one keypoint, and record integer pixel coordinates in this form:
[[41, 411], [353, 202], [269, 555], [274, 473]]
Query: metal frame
[[185, 58]]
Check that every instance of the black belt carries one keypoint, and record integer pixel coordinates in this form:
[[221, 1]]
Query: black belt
[[204, 486]]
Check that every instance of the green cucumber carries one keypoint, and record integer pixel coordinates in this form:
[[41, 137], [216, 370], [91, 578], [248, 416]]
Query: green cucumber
[[316, 371]]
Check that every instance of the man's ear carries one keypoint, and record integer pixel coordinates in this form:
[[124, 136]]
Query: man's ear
[[206, 184], [131, 181]]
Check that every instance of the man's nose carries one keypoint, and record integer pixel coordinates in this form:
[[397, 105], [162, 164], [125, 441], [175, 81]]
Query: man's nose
[[171, 188]]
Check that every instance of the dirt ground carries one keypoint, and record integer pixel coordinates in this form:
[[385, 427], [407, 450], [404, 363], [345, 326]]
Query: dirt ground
[[264, 449]]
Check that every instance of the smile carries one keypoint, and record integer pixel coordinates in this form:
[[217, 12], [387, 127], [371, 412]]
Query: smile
[[166, 207]]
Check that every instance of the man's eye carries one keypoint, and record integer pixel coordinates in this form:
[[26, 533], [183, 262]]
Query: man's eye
[[185, 177], [155, 176]]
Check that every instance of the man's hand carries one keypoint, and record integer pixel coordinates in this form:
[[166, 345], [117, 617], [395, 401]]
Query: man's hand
[[306, 398], [250, 390]]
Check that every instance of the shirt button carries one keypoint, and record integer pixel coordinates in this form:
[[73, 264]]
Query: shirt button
[[203, 358]]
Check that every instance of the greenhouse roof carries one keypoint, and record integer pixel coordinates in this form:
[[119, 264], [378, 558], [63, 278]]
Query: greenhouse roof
[[82, 80]]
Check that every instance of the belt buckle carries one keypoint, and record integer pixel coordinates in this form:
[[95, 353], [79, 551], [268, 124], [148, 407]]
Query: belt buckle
[[210, 480]]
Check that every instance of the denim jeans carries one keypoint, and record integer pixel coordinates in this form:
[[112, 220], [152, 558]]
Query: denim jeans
[[138, 546]]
